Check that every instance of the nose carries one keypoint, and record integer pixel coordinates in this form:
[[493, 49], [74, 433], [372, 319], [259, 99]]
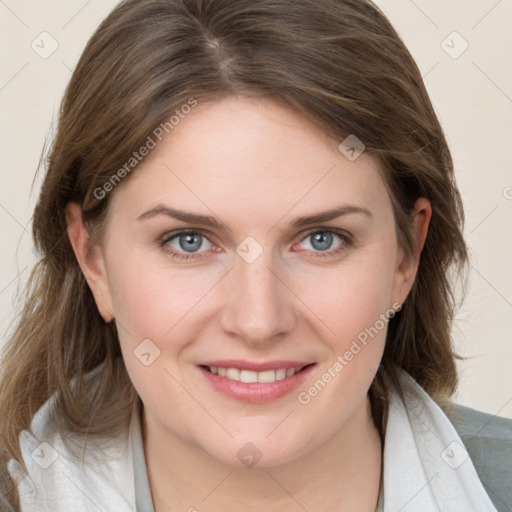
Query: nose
[[259, 306]]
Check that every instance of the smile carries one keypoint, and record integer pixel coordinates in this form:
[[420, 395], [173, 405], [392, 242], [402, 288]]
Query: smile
[[255, 383]]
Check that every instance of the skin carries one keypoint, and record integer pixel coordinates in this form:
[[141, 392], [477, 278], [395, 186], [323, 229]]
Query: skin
[[256, 166]]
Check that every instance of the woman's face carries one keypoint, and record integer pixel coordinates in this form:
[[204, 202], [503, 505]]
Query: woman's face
[[222, 250]]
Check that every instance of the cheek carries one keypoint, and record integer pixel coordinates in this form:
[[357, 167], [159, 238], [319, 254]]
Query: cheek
[[357, 311], [140, 304], [149, 296], [155, 301], [152, 308], [354, 307], [353, 295]]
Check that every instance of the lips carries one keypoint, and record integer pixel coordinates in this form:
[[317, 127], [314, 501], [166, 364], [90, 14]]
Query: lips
[[255, 382]]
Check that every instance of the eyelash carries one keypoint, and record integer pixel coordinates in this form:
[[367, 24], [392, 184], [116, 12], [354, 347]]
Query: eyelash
[[345, 238]]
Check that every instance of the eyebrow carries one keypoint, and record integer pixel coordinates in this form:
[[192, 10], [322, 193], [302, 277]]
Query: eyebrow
[[210, 221]]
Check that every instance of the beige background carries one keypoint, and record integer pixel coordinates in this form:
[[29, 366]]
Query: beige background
[[471, 92]]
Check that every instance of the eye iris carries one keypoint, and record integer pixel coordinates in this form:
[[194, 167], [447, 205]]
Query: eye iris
[[190, 242], [324, 239]]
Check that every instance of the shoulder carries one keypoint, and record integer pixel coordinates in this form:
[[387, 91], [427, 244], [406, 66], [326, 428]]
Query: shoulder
[[488, 440], [64, 467]]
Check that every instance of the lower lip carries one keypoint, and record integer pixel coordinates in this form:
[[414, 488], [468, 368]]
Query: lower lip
[[256, 392]]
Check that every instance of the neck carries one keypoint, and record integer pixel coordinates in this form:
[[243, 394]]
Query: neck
[[343, 474]]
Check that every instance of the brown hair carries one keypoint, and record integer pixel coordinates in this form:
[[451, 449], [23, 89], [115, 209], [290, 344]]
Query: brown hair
[[340, 63]]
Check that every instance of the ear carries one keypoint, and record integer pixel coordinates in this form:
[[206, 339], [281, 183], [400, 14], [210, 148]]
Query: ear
[[91, 260], [407, 267]]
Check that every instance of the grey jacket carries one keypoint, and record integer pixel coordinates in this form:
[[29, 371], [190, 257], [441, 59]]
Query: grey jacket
[[488, 440]]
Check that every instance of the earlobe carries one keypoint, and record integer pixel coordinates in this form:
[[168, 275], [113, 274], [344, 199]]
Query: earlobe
[[90, 259]]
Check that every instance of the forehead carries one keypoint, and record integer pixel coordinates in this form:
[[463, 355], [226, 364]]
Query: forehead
[[250, 155]]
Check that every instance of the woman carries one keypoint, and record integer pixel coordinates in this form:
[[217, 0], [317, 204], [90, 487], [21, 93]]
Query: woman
[[243, 303]]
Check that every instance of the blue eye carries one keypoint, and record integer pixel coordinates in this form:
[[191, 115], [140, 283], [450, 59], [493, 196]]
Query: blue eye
[[188, 244], [321, 241]]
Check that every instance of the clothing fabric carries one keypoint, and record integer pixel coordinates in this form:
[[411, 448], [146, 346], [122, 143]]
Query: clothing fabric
[[426, 464], [488, 440]]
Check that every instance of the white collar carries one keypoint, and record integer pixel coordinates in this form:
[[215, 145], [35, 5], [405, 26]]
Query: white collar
[[426, 467]]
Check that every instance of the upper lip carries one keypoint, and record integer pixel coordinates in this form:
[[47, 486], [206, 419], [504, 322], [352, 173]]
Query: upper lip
[[256, 367]]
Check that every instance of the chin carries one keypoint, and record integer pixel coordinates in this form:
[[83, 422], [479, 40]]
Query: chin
[[260, 452]]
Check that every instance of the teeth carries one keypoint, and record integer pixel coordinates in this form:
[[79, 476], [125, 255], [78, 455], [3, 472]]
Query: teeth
[[280, 374], [250, 376], [233, 374], [266, 376]]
